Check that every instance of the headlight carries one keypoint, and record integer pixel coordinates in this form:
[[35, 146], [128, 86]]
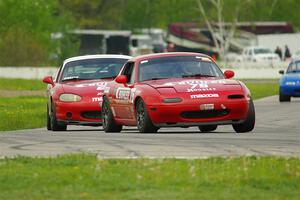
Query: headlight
[[69, 97], [290, 83]]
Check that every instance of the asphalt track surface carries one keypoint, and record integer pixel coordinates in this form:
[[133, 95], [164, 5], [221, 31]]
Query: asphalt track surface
[[277, 132]]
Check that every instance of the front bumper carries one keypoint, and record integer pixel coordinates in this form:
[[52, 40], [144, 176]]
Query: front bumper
[[172, 115], [290, 90], [81, 113]]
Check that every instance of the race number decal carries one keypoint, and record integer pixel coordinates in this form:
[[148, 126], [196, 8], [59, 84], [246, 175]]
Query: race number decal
[[123, 93]]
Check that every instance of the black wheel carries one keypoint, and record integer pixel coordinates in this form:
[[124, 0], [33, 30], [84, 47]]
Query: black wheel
[[55, 125], [108, 122], [249, 123], [144, 122], [207, 128], [284, 98], [48, 120]]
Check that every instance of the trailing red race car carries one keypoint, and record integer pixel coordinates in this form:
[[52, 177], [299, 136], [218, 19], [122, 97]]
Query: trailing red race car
[[74, 95], [176, 90]]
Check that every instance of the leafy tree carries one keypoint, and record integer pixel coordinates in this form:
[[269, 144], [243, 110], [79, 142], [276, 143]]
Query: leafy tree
[[33, 21]]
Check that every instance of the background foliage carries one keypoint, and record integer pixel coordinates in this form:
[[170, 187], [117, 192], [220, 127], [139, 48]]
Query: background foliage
[[26, 26]]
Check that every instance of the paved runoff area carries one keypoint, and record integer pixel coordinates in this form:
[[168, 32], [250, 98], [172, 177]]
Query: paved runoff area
[[277, 132]]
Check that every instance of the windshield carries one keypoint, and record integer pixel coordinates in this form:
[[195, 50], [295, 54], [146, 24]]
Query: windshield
[[294, 67], [262, 51], [177, 67], [90, 69]]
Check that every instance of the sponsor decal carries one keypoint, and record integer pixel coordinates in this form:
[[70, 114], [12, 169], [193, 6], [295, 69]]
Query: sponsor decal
[[199, 96], [96, 99], [201, 89], [106, 89], [99, 85], [207, 106], [217, 81], [169, 84]]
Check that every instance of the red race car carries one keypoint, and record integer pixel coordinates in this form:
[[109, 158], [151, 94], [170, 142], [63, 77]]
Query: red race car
[[176, 90], [75, 93]]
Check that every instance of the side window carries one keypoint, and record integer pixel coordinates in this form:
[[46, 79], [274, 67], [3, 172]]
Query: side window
[[129, 72]]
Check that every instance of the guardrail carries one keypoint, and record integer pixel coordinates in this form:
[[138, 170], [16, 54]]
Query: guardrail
[[27, 72]]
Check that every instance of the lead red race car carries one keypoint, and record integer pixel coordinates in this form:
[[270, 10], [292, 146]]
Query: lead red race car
[[176, 90], [75, 92]]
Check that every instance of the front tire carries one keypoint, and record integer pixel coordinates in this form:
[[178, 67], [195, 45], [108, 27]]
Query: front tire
[[48, 120], [55, 126], [144, 122], [207, 128], [249, 123], [284, 98], [108, 123]]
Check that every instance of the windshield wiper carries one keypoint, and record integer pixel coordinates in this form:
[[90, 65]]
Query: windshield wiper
[[73, 79], [195, 75], [157, 78]]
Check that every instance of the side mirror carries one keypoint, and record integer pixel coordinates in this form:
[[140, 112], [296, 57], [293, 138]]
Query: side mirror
[[281, 71], [121, 79], [228, 74], [48, 80]]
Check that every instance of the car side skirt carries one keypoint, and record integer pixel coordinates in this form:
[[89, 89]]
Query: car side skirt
[[187, 124]]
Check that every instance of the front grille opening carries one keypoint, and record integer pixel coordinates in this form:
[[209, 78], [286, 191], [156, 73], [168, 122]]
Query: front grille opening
[[235, 96], [297, 90], [92, 114], [171, 123], [204, 113]]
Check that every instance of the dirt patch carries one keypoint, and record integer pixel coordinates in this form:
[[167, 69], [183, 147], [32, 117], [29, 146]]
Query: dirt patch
[[19, 93]]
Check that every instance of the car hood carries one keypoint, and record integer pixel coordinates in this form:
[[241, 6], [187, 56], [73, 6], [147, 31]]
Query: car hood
[[86, 87], [196, 84], [291, 77]]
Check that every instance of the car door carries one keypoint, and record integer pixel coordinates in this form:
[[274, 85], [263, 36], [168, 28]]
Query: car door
[[123, 94]]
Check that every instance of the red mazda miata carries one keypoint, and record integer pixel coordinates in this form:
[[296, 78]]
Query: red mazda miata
[[75, 93], [176, 90]]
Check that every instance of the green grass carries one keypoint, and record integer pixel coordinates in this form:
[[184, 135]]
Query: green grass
[[85, 177], [260, 90], [21, 84], [22, 113]]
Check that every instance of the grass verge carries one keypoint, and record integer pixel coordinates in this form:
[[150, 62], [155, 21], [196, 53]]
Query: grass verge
[[21, 84], [85, 177], [260, 90], [22, 113]]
